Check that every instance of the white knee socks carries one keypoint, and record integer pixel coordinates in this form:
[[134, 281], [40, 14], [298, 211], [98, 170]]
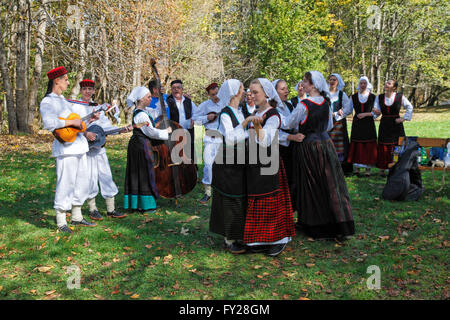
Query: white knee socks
[[76, 213], [110, 204]]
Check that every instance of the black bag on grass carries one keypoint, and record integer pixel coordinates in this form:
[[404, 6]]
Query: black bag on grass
[[404, 181]]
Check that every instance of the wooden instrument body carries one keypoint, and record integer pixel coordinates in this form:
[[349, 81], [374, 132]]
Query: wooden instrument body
[[69, 134], [166, 171]]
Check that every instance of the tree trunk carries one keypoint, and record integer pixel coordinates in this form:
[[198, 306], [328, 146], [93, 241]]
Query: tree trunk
[[40, 44], [22, 70], [82, 64], [9, 97]]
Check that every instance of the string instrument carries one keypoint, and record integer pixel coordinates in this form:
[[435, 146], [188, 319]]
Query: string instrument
[[173, 179], [100, 138], [215, 116], [69, 134]]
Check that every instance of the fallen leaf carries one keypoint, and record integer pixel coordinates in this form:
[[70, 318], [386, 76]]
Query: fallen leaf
[[310, 265], [45, 268], [134, 296]]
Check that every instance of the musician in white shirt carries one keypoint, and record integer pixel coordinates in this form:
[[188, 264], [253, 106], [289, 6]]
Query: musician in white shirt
[[72, 184]]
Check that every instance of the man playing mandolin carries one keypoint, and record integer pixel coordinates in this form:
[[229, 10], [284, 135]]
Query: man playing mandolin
[[72, 184], [98, 164]]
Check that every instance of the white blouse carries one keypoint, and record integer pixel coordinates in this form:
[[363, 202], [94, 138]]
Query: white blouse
[[389, 101], [345, 103], [300, 113], [232, 135], [201, 114], [149, 130], [270, 129], [362, 99]]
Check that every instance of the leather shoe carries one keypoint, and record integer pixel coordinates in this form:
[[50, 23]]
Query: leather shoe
[[83, 223], [205, 199], [237, 248], [95, 215], [65, 229], [115, 214]]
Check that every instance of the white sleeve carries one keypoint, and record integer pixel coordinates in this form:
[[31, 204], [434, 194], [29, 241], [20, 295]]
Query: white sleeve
[[297, 116], [330, 121], [376, 106], [409, 108], [347, 105], [199, 115], [232, 135], [149, 130], [283, 138], [104, 122], [270, 130], [49, 118]]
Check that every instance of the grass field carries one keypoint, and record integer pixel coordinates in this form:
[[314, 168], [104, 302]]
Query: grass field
[[171, 254]]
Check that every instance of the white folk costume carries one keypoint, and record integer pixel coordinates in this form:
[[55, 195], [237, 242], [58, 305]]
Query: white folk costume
[[339, 133], [99, 169], [322, 195], [229, 198], [211, 140], [72, 184], [285, 109], [140, 191], [363, 142], [389, 131], [269, 219]]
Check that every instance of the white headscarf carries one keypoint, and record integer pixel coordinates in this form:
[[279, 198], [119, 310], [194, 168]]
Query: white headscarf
[[228, 90], [136, 94], [369, 85], [341, 83], [298, 83], [270, 91], [319, 82], [274, 83]]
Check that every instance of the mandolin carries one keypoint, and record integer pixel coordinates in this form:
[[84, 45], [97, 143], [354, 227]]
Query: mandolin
[[101, 134], [69, 134]]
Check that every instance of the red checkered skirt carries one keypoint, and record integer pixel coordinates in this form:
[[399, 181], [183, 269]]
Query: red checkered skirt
[[270, 218]]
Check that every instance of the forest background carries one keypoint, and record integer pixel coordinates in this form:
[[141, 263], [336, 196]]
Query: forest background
[[201, 41]]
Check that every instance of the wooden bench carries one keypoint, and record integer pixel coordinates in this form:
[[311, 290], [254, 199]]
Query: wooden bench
[[427, 143]]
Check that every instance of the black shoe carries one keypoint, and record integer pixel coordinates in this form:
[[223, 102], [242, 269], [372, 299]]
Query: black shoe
[[276, 249], [237, 248], [205, 199], [83, 223], [115, 214], [65, 229], [259, 249], [95, 215]]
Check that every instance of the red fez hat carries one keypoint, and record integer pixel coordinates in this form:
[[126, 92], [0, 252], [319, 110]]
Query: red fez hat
[[211, 86], [87, 83], [55, 73]]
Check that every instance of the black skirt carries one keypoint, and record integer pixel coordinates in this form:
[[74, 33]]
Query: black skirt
[[228, 215], [321, 191], [140, 191]]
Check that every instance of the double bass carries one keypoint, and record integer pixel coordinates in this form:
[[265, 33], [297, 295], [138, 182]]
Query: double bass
[[173, 179]]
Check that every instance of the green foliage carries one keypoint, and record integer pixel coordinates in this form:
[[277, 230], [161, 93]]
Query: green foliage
[[287, 38]]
